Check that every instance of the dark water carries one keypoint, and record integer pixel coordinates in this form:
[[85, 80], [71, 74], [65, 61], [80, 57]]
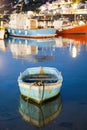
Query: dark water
[[68, 111]]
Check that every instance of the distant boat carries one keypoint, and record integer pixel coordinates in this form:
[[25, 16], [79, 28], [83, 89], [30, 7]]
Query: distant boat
[[77, 28], [40, 115], [28, 27], [40, 83]]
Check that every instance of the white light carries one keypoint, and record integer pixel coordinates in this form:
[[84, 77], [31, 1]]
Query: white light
[[74, 52], [75, 6]]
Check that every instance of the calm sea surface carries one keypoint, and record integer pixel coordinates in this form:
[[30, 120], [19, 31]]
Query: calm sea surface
[[68, 111]]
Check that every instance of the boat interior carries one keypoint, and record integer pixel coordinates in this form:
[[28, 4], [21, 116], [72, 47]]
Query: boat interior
[[40, 78]]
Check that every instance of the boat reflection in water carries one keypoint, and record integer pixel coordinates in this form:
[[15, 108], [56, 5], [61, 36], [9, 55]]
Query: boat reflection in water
[[81, 38], [2, 46], [37, 50], [72, 45], [40, 115], [32, 49]]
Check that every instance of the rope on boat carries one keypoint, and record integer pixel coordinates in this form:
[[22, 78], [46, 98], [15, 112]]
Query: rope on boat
[[43, 90]]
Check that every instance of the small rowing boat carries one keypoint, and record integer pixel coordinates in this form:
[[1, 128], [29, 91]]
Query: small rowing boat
[[40, 83]]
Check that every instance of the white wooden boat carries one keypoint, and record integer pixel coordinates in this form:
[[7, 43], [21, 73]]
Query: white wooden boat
[[40, 83]]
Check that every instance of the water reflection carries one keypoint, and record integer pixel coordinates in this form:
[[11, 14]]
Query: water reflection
[[36, 50], [73, 46], [32, 49], [40, 115], [75, 42], [80, 38], [75, 82], [2, 46]]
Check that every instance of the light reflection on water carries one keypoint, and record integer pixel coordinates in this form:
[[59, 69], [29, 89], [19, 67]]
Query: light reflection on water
[[68, 54]]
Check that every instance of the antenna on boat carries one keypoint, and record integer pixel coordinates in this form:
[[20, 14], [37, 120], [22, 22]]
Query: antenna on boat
[[41, 70]]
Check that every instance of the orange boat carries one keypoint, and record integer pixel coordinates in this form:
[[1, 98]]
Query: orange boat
[[78, 29]]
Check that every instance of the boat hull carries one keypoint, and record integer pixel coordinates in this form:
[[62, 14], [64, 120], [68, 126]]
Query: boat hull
[[35, 33], [82, 29], [40, 93]]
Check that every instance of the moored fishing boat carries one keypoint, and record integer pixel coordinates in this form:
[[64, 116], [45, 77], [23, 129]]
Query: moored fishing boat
[[40, 83], [28, 27], [77, 28]]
